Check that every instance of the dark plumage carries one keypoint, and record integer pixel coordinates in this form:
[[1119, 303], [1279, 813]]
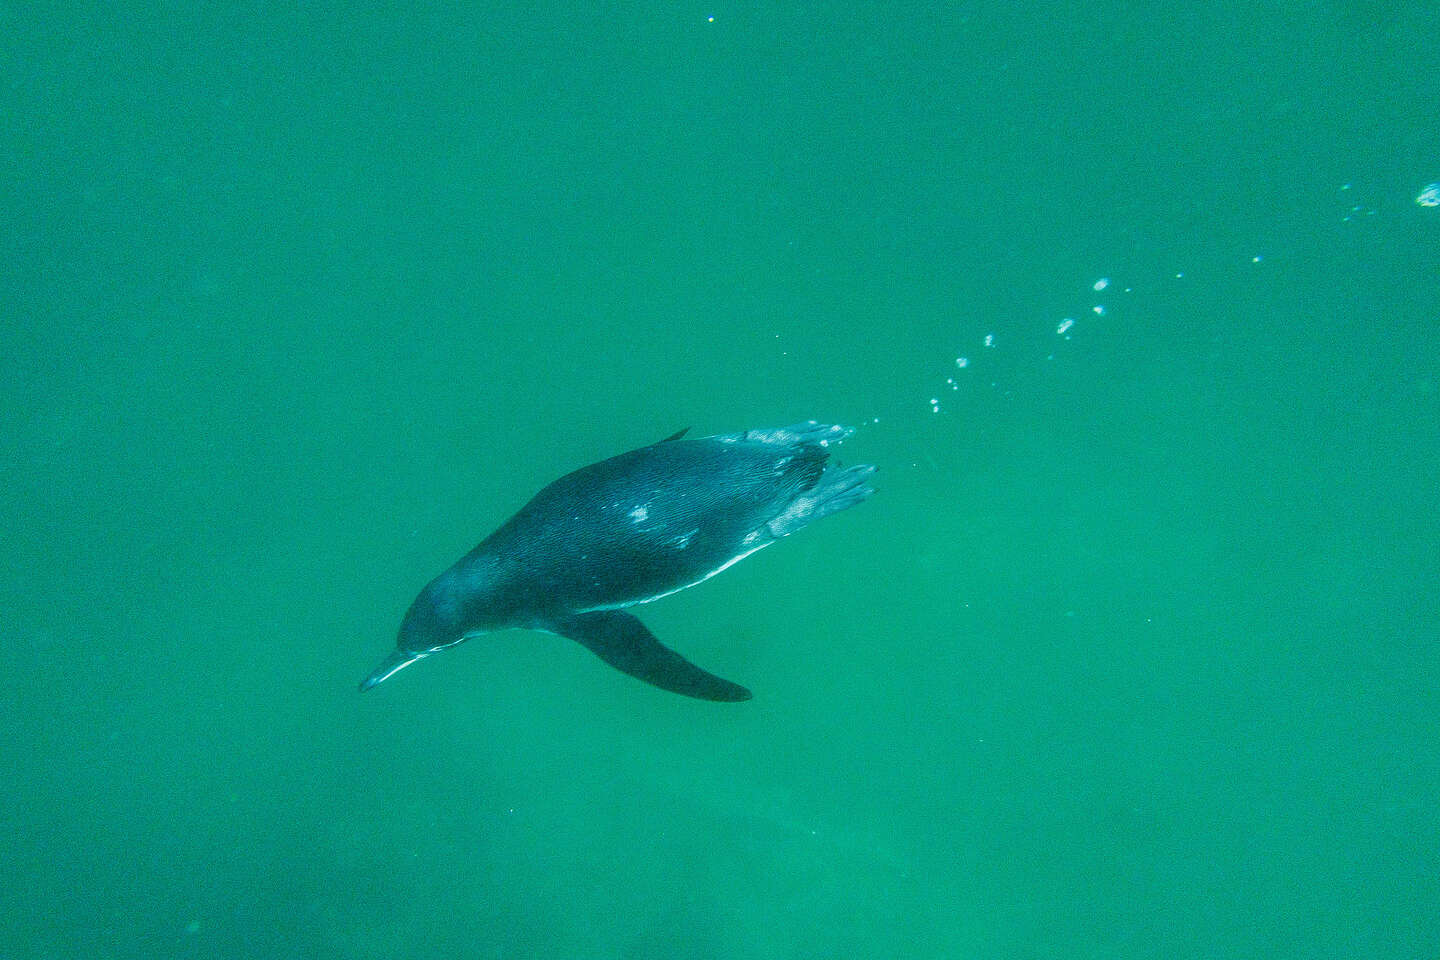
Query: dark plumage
[[629, 530]]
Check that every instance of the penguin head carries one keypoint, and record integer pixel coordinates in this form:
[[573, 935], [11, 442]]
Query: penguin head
[[432, 623]]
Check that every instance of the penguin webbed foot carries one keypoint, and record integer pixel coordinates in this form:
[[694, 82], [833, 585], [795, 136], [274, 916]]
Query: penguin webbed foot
[[837, 489]]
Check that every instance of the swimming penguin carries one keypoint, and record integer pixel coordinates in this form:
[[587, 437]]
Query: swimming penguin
[[629, 530]]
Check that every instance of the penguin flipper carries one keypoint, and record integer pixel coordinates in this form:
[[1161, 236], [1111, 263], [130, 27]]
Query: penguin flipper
[[622, 641]]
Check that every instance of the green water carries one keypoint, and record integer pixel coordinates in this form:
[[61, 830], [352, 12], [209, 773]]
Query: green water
[[1135, 653]]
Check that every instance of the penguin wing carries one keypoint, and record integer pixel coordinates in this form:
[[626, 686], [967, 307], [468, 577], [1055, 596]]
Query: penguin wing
[[622, 641]]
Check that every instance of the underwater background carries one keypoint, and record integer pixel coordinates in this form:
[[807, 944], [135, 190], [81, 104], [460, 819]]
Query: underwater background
[[1134, 653]]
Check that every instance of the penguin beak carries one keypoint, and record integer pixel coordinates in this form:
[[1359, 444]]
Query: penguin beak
[[391, 665]]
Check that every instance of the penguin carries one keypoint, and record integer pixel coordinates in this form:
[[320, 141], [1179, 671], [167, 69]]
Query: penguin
[[630, 530]]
